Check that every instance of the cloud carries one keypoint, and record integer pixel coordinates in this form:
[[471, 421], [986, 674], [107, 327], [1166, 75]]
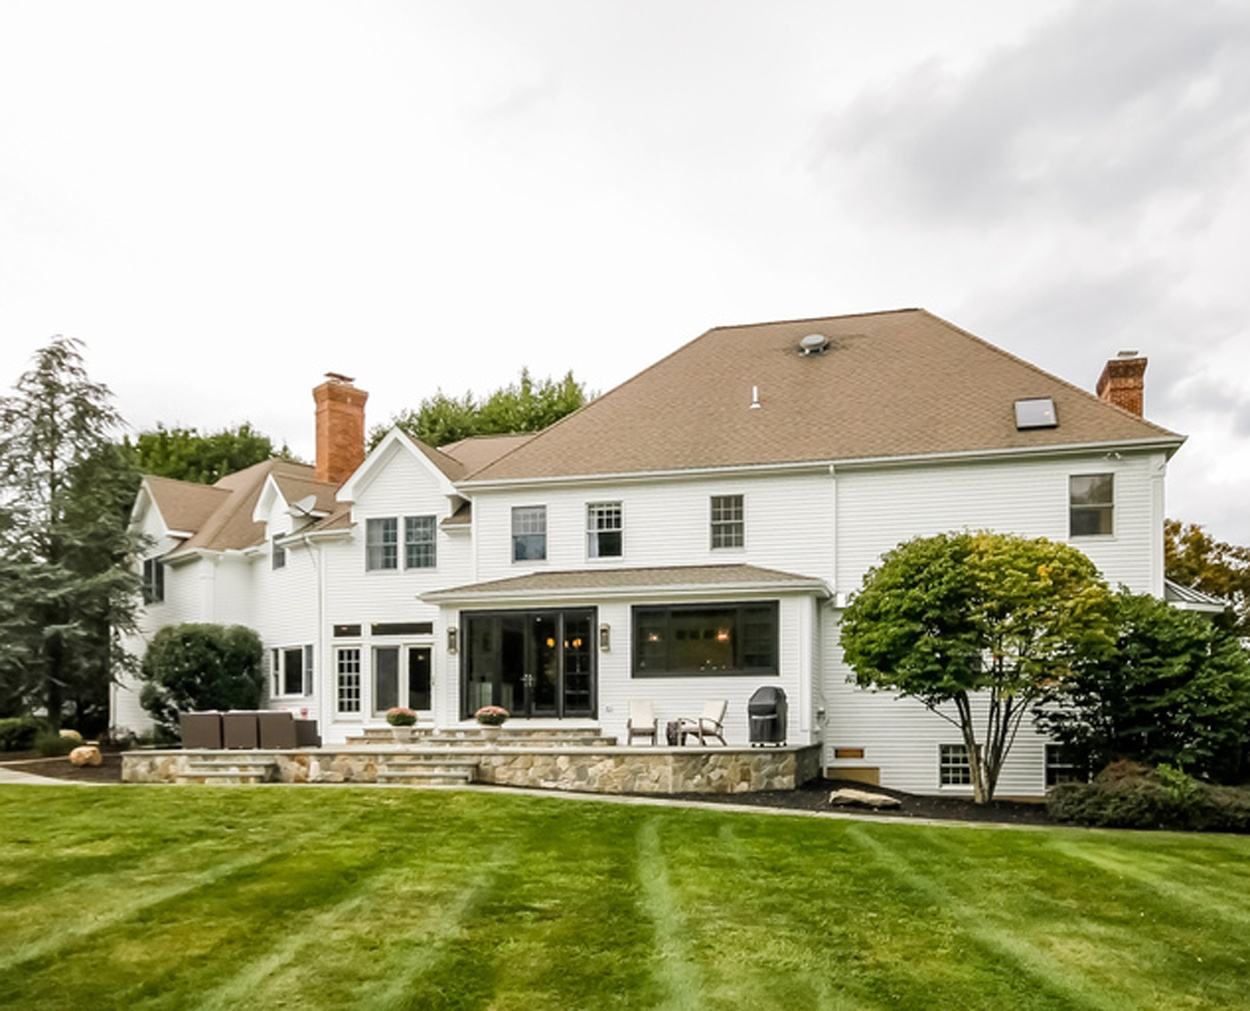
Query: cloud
[[1108, 109]]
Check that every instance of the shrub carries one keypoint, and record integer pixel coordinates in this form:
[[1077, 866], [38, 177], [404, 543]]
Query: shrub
[[491, 716], [400, 716], [49, 743], [18, 733], [190, 667], [1127, 795]]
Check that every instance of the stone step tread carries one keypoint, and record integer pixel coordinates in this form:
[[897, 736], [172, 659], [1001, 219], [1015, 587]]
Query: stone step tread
[[422, 778], [240, 763], [219, 777], [428, 762]]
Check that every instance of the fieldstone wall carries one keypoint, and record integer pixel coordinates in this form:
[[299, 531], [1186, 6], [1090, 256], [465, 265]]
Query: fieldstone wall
[[593, 770]]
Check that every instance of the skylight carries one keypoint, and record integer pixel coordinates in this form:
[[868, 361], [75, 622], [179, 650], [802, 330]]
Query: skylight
[[1036, 413]]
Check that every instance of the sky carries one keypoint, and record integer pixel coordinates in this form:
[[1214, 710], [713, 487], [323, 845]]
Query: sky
[[226, 200]]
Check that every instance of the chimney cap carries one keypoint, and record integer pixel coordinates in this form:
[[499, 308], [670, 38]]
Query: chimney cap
[[1128, 353], [338, 377]]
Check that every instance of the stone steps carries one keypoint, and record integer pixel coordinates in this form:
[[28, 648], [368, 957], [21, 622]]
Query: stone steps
[[427, 771], [472, 739], [228, 770]]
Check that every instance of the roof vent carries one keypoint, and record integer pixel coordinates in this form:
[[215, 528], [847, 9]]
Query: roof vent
[[1036, 413], [814, 344]]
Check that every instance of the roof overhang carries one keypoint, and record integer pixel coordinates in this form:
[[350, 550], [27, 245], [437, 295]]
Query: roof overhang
[[1162, 444], [1186, 598]]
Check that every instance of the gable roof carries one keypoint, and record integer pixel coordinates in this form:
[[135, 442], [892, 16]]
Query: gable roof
[[185, 506], [477, 451], [669, 578], [230, 525], [891, 384]]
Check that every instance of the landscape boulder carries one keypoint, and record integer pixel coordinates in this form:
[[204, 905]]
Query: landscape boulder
[[847, 797], [71, 735], [87, 754]]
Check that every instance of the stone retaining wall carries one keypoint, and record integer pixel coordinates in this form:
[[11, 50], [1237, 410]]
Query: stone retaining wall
[[593, 770]]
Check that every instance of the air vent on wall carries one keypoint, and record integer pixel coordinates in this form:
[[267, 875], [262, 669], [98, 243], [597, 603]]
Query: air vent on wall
[[1038, 412]]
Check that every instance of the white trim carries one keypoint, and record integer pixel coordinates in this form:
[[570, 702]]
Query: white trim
[[350, 490], [714, 591], [618, 477]]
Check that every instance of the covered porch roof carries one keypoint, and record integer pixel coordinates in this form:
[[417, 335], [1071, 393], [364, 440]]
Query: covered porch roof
[[670, 580]]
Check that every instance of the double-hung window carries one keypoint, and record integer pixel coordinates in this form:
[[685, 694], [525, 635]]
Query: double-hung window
[[420, 550], [1091, 505], [382, 543], [728, 522], [153, 580], [529, 533], [953, 766], [604, 530], [347, 672], [277, 553], [292, 670]]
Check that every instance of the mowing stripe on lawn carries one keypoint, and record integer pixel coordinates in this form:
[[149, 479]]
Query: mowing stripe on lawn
[[182, 886], [1056, 978], [677, 975]]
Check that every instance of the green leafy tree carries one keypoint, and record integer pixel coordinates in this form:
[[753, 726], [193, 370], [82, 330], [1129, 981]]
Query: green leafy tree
[[70, 590], [192, 667], [527, 405], [1192, 557], [188, 455], [975, 626], [1174, 690]]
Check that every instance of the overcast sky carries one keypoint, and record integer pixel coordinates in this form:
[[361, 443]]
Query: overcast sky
[[225, 200]]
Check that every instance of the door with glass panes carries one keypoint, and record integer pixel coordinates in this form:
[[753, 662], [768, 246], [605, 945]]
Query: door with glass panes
[[401, 677]]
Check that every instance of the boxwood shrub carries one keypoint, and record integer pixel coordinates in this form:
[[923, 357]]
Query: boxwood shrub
[[17, 733], [1127, 795]]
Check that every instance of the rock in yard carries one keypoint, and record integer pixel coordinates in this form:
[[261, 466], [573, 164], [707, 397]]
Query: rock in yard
[[88, 754], [862, 798], [71, 735]]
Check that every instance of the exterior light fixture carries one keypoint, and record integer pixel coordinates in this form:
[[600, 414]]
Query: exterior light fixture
[[453, 635], [605, 638]]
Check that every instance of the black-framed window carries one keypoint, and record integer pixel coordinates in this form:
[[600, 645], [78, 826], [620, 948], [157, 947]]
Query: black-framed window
[[604, 530], [953, 766], [277, 554], [529, 533], [1091, 505], [420, 550], [382, 543], [1063, 766], [153, 580], [705, 640], [728, 522]]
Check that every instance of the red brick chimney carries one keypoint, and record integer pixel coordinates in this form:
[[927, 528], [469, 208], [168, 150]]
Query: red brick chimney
[[340, 428], [1123, 382]]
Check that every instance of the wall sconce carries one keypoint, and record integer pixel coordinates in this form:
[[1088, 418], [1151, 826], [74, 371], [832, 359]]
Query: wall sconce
[[605, 638], [453, 637]]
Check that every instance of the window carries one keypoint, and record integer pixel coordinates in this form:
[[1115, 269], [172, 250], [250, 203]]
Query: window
[[692, 640], [1091, 502], [292, 670], [277, 554], [382, 543], [347, 668], [529, 533], [1063, 767], [953, 767], [419, 547], [153, 580], [603, 530], [728, 528], [346, 631], [401, 628]]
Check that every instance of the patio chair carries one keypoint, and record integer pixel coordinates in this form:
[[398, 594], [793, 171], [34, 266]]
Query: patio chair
[[642, 721], [276, 730], [239, 729], [709, 724], [200, 730]]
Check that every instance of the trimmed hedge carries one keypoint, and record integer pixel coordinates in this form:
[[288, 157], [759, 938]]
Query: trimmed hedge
[[1127, 795]]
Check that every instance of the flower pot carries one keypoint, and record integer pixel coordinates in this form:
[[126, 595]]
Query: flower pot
[[402, 735]]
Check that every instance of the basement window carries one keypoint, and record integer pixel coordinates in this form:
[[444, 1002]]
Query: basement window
[[953, 766], [1091, 505]]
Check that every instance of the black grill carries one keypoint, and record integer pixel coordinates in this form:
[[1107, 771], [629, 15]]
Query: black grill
[[766, 714]]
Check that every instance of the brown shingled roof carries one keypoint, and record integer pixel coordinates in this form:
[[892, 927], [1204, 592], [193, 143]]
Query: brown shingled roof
[[184, 505], [897, 383], [477, 451]]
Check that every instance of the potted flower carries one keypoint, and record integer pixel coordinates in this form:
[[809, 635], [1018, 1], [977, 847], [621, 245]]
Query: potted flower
[[401, 719], [491, 718]]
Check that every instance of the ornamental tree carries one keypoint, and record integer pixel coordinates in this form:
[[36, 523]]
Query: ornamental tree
[[976, 626], [1175, 690], [191, 667]]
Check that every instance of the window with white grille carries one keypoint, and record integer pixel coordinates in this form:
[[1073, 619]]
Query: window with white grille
[[604, 530], [953, 767], [347, 669]]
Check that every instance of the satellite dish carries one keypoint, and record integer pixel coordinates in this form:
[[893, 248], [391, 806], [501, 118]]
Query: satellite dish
[[304, 506]]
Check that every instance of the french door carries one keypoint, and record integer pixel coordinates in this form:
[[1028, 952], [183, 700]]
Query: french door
[[401, 677], [533, 663]]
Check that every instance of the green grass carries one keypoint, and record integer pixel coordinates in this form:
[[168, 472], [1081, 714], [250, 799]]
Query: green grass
[[147, 897]]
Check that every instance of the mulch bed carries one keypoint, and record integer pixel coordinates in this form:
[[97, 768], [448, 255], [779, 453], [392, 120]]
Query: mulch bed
[[814, 796], [60, 768]]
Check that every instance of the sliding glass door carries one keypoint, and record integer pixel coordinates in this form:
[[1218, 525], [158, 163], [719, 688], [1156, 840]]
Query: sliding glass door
[[533, 663]]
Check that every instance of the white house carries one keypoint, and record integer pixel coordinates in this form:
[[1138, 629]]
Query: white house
[[692, 534]]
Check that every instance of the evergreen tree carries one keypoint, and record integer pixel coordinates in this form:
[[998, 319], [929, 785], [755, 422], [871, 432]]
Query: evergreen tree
[[71, 590]]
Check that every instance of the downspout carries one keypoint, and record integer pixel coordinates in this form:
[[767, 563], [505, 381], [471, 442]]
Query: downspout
[[319, 647]]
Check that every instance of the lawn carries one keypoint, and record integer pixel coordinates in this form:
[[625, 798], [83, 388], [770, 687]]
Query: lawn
[[151, 897]]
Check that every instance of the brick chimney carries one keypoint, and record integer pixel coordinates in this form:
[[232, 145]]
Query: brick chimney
[[1123, 382], [340, 428]]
